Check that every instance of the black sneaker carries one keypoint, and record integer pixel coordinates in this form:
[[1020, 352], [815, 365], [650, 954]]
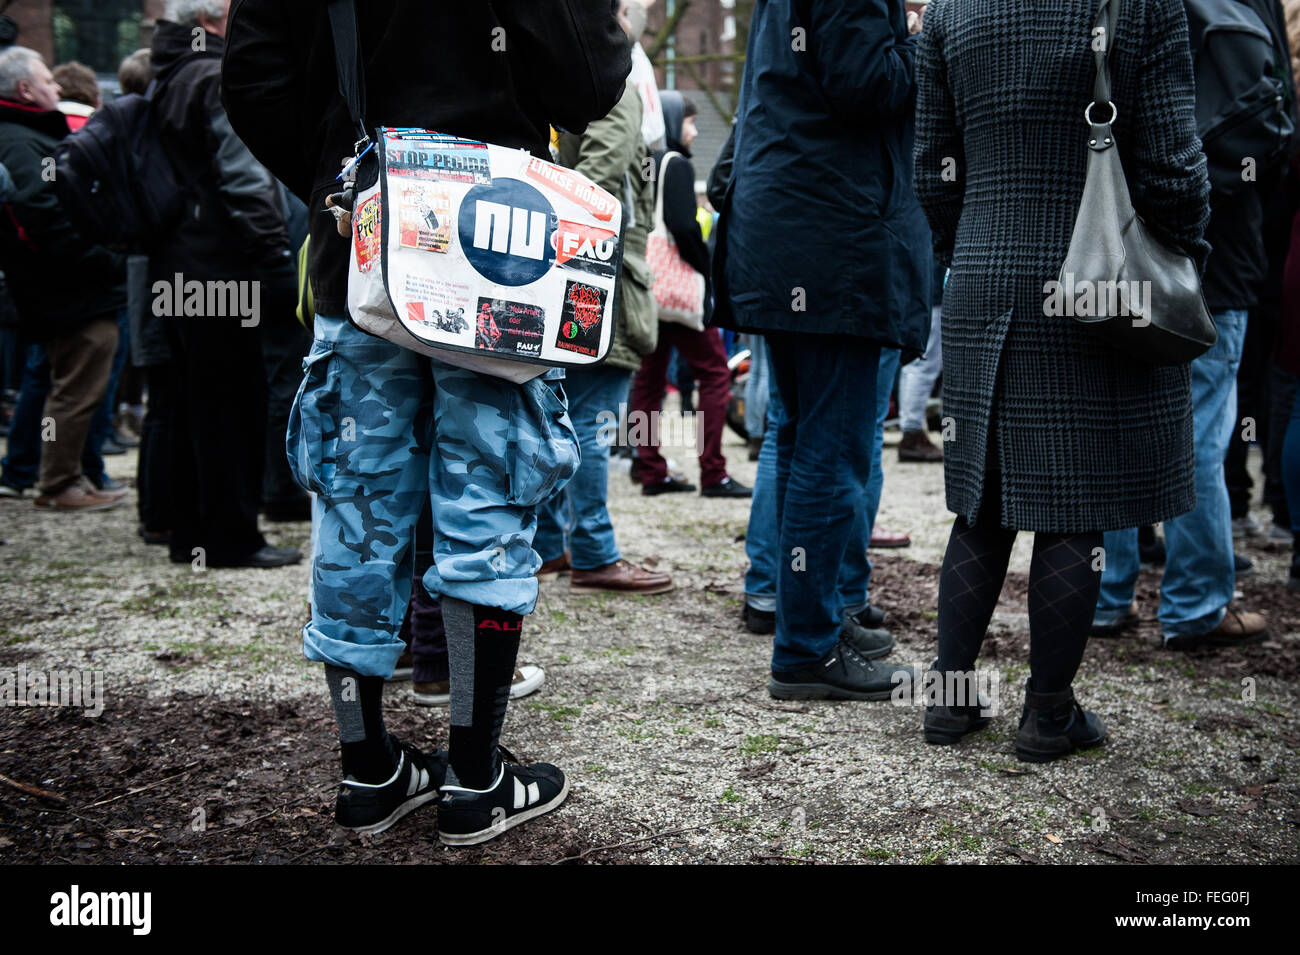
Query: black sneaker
[[668, 485], [843, 674], [1242, 565], [269, 556], [373, 807], [872, 643], [873, 618], [758, 621], [727, 487], [467, 817]]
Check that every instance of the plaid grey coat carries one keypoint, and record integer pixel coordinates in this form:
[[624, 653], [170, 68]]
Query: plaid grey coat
[[1079, 437]]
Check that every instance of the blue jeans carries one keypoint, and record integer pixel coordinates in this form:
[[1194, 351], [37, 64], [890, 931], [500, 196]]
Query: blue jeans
[[757, 387], [1199, 578], [916, 379], [761, 539], [823, 466], [577, 518], [860, 566], [375, 430]]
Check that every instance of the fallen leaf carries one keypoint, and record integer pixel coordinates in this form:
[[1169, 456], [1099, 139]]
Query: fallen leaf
[[1054, 840]]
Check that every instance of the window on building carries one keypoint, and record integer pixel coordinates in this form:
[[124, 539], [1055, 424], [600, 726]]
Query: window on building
[[99, 33]]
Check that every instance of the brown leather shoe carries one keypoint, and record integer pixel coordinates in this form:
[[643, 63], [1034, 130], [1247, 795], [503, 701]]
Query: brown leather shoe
[[619, 577], [884, 537], [1236, 628], [917, 446], [77, 498], [553, 568]]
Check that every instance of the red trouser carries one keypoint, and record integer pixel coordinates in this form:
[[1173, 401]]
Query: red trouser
[[703, 354]]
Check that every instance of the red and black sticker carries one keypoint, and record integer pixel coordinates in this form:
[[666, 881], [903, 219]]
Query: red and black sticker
[[515, 328], [580, 319]]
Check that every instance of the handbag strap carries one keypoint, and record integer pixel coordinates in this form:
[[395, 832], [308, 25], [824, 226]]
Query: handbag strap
[[347, 58], [1106, 19], [659, 189]]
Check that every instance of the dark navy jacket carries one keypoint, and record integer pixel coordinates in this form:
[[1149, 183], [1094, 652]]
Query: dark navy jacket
[[820, 230]]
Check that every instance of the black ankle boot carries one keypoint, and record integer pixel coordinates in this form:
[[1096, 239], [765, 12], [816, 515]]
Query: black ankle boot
[[948, 721], [1053, 725]]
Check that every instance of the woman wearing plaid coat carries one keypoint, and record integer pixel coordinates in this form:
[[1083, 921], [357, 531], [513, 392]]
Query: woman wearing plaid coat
[[1051, 430]]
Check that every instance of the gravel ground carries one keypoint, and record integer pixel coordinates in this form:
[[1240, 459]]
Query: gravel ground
[[657, 707]]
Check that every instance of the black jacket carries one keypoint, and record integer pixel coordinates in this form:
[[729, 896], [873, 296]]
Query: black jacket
[[1237, 270], [58, 280], [234, 222], [495, 70], [821, 232]]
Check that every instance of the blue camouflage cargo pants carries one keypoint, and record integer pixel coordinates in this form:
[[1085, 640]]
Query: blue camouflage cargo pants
[[374, 427]]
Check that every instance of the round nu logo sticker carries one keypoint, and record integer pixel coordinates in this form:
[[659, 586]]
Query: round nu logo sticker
[[505, 231]]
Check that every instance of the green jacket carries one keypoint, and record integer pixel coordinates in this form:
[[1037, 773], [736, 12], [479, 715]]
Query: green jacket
[[611, 153]]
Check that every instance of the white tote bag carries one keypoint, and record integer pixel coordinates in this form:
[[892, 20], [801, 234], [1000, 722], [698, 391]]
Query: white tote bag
[[678, 288]]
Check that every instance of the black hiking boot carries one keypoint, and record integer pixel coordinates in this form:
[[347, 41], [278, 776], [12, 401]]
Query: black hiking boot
[[843, 674]]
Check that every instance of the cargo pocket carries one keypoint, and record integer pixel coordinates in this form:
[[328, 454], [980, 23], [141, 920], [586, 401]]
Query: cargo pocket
[[312, 436], [543, 448]]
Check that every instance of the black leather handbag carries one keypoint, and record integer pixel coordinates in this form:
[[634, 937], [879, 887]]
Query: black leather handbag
[[1141, 296]]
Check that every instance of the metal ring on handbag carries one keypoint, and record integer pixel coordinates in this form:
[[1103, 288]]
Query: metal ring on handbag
[[1087, 113]]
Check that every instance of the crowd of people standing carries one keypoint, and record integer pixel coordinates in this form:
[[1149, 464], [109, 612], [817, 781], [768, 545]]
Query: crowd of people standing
[[898, 187]]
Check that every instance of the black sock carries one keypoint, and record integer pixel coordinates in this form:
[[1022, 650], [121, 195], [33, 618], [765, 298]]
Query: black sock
[[974, 567], [482, 644], [1063, 589], [368, 755]]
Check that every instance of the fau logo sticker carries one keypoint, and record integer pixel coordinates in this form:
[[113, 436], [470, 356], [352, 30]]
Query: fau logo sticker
[[585, 248]]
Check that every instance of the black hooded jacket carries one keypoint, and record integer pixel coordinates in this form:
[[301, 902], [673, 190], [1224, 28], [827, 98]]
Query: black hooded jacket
[[496, 70], [679, 188], [233, 226], [58, 280]]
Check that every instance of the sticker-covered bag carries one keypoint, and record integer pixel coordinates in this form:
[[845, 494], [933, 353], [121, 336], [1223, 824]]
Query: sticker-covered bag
[[482, 256]]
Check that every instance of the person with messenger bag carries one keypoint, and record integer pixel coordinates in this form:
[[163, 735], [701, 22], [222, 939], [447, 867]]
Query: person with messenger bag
[[377, 428]]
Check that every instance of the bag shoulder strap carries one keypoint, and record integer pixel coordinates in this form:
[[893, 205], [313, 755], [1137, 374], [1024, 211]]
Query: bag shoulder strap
[[1106, 19], [659, 188], [347, 58]]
